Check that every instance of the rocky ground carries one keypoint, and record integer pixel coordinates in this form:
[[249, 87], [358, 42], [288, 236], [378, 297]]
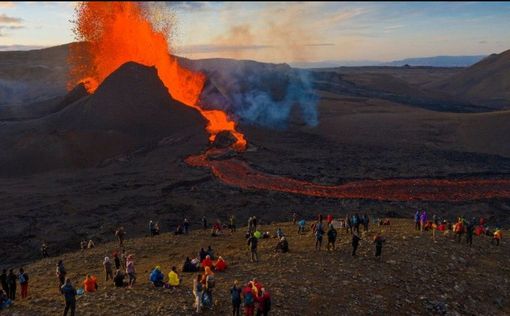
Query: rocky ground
[[416, 276]]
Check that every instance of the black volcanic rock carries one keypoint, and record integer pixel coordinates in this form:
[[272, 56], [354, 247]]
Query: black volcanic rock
[[130, 109]]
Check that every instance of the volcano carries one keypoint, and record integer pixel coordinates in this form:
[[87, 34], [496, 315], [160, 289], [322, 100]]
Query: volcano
[[130, 109]]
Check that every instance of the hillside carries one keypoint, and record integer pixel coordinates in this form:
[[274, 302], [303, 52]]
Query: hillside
[[486, 82], [415, 276]]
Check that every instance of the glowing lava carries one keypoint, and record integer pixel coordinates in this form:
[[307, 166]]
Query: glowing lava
[[118, 32], [237, 173]]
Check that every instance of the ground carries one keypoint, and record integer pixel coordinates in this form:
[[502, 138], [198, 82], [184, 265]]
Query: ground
[[416, 276]]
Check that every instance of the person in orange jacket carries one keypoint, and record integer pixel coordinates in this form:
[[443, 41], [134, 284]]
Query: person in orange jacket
[[90, 283]]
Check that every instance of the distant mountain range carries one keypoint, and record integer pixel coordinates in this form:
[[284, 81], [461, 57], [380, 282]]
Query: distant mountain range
[[435, 61]]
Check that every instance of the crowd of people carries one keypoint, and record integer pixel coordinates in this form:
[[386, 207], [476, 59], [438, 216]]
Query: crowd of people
[[119, 269]]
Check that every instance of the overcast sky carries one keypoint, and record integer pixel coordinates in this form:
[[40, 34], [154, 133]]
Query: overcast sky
[[290, 32]]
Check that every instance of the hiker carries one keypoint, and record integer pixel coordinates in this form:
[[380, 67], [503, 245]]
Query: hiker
[[216, 229], [435, 220], [423, 220], [120, 233], [210, 252], [233, 224], [61, 273], [248, 299], [329, 219], [252, 242], [356, 222], [470, 229], [235, 294], [319, 218], [3, 281], [331, 237], [208, 282], [319, 232], [69, 293], [279, 233], [108, 271], [179, 230], [188, 266], [197, 292], [90, 284], [264, 302], [173, 277], [301, 226], [11, 285], [116, 260], [151, 228], [91, 244], [83, 245], [254, 223], [417, 220], [458, 229], [204, 223], [378, 241], [294, 218], [221, 265], [44, 250], [355, 243], [156, 277], [130, 270], [366, 221], [118, 279], [496, 238], [282, 245], [348, 223], [23, 282], [186, 226], [207, 262], [202, 254]]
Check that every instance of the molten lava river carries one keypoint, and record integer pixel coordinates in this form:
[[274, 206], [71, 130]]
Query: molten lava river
[[237, 173]]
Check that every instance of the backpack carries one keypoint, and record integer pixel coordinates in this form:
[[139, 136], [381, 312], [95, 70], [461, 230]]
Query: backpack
[[248, 299], [210, 281], [22, 278]]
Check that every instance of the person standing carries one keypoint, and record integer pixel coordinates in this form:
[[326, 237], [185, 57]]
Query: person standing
[[130, 270], [232, 224], [151, 227], [235, 294], [116, 260], [331, 237], [254, 223], [470, 229], [355, 243], [378, 241], [319, 232], [108, 270], [69, 293], [294, 218], [252, 243], [61, 273], [23, 283], [120, 233], [44, 250], [417, 220], [3, 280], [204, 223], [11, 285], [186, 226], [197, 292], [423, 220]]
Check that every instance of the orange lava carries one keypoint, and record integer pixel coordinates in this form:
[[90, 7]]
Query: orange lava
[[237, 173], [118, 32]]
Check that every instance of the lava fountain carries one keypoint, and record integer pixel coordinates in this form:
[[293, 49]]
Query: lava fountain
[[118, 32]]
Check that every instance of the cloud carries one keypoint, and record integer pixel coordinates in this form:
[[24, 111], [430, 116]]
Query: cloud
[[320, 44], [4, 18], [7, 4], [188, 5], [19, 47]]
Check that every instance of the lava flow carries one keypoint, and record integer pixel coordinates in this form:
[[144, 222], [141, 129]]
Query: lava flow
[[237, 173], [118, 32]]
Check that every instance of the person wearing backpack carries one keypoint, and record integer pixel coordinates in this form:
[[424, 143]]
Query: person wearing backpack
[[69, 293], [248, 300], [319, 232], [235, 294], [253, 242], [197, 292], [23, 282], [331, 237]]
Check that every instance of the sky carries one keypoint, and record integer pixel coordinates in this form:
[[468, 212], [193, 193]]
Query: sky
[[293, 31]]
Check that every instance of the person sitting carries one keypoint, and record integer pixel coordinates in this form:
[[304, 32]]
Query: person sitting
[[221, 265], [497, 236], [156, 277], [90, 284], [207, 262], [202, 254], [5, 302], [266, 235], [479, 230], [173, 278], [83, 245], [156, 229], [216, 229], [118, 279], [210, 252], [179, 230], [196, 263], [283, 245], [188, 266]]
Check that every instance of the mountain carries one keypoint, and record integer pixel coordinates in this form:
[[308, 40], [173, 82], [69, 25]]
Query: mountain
[[486, 82], [453, 278], [436, 61], [131, 108]]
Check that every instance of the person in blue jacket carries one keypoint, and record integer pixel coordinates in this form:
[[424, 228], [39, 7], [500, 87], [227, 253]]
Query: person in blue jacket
[[157, 277]]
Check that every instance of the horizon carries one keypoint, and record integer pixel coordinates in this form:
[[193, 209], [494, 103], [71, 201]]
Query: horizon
[[291, 33]]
